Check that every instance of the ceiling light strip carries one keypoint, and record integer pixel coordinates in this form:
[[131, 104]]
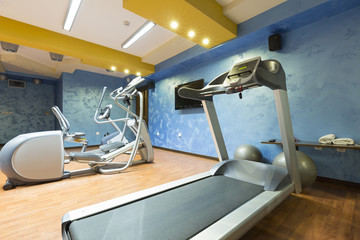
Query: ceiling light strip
[[138, 34], [73, 10]]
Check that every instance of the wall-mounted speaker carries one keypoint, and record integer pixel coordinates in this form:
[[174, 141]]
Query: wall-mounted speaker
[[274, 42], [151, 85]]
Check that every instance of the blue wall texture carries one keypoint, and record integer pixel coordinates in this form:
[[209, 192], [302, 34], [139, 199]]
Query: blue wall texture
[[25, 110], [321, 61], [81, 93], [320, 55]]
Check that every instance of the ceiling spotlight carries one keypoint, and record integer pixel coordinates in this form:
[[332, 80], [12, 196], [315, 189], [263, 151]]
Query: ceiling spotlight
[[191, 34], [138, 34], [37, 81], [205, 41], [126, 71], [9, 47], [174, 25], [3, 77], [138, 74], [56, 57], [112, 69]]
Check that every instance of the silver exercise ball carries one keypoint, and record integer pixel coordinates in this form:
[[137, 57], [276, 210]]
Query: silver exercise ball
[[307, 168], [248, 152]]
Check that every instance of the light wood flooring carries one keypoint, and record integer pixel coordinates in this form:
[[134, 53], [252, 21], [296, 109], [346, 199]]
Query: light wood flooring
[[323, 211]]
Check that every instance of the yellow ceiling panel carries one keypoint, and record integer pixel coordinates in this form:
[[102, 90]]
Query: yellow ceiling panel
[[204, 17], [92, 54]]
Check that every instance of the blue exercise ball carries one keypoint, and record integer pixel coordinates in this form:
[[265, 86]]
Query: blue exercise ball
[[307, 168], [248, 152]]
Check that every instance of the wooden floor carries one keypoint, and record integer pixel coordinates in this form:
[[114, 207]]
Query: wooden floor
[[324, 211]]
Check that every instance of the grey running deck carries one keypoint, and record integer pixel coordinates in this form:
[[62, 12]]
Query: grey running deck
[[179, 213]]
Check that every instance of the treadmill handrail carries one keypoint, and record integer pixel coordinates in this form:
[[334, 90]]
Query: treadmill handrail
[[205, 93]]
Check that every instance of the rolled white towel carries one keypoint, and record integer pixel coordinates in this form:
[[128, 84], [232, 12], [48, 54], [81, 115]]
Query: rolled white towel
[[343, 141], [327, 139]]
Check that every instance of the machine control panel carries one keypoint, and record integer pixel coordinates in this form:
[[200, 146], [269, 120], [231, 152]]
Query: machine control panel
[[241, 74]]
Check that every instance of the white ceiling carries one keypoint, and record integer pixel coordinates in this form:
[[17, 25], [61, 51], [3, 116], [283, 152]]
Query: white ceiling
[[102, 23]]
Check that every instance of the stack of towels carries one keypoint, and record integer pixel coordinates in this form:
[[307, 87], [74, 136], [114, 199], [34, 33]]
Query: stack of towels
[[330, 139]]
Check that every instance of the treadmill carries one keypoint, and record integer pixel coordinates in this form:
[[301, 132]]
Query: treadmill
[[223, 203]]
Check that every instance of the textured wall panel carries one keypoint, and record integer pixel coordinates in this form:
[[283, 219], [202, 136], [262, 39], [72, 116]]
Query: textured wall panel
[[321, 61], [25, 110]]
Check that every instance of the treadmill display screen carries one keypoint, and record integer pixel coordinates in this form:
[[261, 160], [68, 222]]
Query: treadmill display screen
[[241, 74]]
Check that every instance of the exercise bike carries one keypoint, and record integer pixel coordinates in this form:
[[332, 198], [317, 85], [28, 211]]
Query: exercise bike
[[39, 157]]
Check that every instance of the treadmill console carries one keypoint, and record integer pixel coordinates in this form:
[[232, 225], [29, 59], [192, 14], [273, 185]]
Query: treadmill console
[[242, 74]]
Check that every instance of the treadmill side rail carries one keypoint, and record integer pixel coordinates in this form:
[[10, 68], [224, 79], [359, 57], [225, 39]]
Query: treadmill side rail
[[237, 223]]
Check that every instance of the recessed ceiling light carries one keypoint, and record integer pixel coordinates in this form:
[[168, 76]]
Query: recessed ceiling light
[[73, 9], [3, 77], [126, 71], [37, 81], [138, 34], [113, 68], [191, 33], [205, 41], [174, 24], [138, 74]]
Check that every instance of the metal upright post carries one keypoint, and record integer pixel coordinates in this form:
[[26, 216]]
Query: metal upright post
[[215, 129], [287, 135]]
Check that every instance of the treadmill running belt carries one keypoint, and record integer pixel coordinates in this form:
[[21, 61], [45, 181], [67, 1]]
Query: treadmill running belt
[[179, 213]]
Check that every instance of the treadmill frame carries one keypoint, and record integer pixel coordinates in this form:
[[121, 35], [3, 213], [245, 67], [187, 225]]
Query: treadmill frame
[[231, 226], [239, 221]]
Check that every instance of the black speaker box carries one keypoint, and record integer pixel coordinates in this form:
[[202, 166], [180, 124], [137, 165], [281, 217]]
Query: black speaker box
[[151, 85], [274, 42]]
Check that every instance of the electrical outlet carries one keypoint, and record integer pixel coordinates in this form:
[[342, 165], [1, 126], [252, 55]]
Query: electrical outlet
[[179, 135]]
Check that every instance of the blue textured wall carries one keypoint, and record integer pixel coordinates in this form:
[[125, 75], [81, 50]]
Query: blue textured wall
[[283, 18], [321, 61], [31, 108], [81, 92]]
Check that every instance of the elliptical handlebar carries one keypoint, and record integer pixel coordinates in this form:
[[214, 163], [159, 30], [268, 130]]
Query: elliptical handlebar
[[106, 112], [119, 93], [63, 122], [105, 116], [101, 98], [115, 92], [128, 90]]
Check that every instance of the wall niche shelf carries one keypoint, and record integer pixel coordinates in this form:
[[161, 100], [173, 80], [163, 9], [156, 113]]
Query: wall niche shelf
[[316, 145]]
